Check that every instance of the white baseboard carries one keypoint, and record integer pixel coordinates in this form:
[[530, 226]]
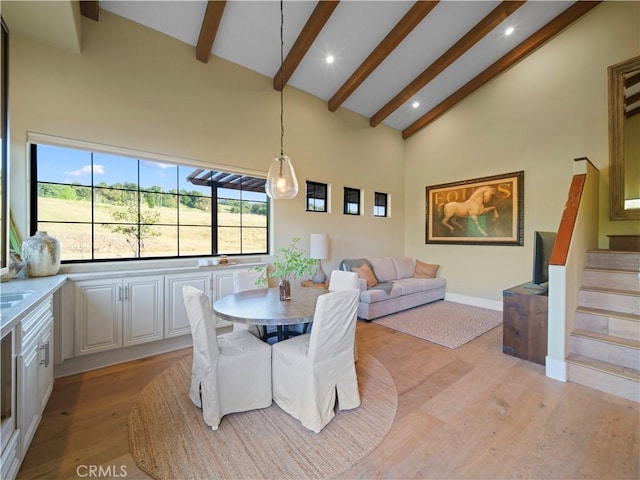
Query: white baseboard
[[556, 369], [85, 363], [474, 301]]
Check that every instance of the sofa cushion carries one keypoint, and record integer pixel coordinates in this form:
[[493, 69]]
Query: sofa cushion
[[365, 272], [425, 270], [378, 295], [409, 285], [404, 267], [384, 268], [431, 283]]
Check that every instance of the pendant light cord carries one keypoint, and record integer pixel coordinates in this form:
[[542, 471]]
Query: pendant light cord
[[281, 77]]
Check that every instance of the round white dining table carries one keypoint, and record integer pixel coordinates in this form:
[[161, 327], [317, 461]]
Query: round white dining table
[[263, 306]]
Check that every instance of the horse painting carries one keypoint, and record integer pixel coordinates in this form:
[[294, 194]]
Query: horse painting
[[471, 208]]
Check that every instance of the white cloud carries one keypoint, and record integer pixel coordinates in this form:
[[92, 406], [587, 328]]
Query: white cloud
[[159, 165], [86, 170]]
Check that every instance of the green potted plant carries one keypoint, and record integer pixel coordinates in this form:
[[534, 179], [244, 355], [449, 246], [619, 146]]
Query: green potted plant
[[289, 263]]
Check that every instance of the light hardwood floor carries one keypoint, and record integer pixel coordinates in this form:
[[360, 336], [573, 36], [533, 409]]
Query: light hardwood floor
[[472, 412]]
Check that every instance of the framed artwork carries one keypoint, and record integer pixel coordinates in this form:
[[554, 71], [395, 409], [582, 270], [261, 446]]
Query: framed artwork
[[482, 211]]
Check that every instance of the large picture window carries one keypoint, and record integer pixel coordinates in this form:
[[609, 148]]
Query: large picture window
[[105, 207]]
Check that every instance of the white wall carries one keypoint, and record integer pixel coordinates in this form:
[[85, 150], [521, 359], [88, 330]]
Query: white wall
[[136, 88], [538, 117]]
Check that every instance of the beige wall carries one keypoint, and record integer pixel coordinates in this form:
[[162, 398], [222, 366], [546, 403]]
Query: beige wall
[[133, 87], [540, 115]]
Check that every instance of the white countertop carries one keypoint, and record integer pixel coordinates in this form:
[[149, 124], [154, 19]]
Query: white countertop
[[159, 270], [43, 286], [40, 286]]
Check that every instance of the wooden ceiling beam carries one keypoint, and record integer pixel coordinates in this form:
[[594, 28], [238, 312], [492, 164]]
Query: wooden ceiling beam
[[90, 9], [566, 18], [403, 28], [310, 31], [209, 29], [473, 36]]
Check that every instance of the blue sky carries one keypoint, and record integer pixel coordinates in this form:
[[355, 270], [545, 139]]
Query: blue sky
[[66, 165]]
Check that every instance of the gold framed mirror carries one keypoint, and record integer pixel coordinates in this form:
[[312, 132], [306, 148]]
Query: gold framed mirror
[[624, 140]]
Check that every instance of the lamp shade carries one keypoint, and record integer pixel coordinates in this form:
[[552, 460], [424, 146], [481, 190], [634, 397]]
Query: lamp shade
[[319, 246], [281, 180]]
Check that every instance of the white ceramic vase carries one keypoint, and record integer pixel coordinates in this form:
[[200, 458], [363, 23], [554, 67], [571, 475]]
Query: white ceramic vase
[[41, 254]]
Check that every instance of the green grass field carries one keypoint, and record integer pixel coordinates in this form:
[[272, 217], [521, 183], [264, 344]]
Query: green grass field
[[195, 239]]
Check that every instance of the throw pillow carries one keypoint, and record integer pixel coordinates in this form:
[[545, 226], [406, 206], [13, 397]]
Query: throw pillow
[[404, 267], [425, 270], [383, 268], [365, 272]]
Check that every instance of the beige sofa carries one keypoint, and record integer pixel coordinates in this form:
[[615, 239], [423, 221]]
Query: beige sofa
[[397, 286]]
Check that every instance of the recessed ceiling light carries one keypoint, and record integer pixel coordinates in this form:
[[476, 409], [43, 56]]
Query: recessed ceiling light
[[508, 31], [415, 104], [329, 59]]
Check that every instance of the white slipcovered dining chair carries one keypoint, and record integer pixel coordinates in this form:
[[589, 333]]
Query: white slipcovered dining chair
[[309, 371], [243, 281], [343, 280], [230, 373]]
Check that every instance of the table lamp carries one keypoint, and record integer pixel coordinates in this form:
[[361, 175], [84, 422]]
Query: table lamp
[[319, 249]]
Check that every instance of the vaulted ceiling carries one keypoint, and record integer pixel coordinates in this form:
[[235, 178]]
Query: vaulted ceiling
[[399, 63]]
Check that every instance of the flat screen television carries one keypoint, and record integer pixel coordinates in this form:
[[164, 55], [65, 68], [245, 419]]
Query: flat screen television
[[542, 247]]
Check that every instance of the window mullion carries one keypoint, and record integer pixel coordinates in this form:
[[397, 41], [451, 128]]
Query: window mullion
[[214, 220]]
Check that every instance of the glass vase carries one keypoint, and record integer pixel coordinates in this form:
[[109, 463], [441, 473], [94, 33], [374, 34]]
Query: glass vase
[[285, 290]]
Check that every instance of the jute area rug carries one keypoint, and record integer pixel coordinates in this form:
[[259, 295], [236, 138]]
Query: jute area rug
[[169, 440], [446, 323]]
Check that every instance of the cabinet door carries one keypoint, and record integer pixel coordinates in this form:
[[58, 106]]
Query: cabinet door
[[525, 325], [45, 372], [223, 286], [143, 310], [28, 399], [176, 322], [98, 319]]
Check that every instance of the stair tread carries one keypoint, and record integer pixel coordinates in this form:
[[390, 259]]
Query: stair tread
[[626, 271], [609, 313], [606, 367], [602, 337], [632, 293], [606, 250]]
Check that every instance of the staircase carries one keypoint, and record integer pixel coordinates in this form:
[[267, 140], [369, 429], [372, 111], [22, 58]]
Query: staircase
[[605, 342]]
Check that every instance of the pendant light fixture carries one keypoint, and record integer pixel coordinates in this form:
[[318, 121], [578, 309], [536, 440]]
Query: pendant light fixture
[[281, 180]]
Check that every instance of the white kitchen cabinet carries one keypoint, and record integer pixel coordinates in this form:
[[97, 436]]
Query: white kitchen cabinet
[[116, 313], [125, 315], [176, 321], [215, 283], [45, 373], [143, 310], [9, 433], [223, 282], [35, 369]]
